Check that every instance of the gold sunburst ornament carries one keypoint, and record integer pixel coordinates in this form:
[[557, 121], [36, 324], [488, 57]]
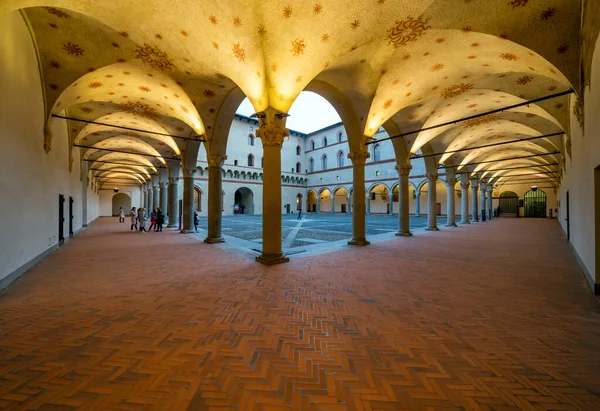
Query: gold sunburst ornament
[[405, 31], [154, 57], [140, 109], [456, 90]]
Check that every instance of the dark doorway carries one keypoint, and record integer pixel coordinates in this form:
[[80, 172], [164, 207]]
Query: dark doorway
[[70, 216], [508, 203], [61, 219], [535, 203], [244, 199], [344, 208], [287, 208]]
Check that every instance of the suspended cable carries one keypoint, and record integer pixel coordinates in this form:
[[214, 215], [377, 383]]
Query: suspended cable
[[128, 128], [124, 164], [502, 159], [499, 110], [126, 152], [414, 156]]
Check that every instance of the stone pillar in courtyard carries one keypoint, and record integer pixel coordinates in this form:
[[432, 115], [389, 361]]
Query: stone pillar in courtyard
[[332, 203], [391, 202], [474, 208], [431, 202], [418, 203], [145, 191], [490, 206], [172, 206], [272, 132], [188, 200], [450, 202], [359, 210], [164, 186], [482, 205], [318, 203], [150, 200], [155, 192], [215, 198], [403, 201], [349, 204], [368, 200], [464, 185]]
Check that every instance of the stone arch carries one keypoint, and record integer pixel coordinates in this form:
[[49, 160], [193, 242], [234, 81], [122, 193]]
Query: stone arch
[[122, 200]]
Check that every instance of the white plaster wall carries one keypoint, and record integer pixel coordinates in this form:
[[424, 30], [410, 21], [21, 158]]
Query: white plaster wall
[[30, 179], [105, 199]]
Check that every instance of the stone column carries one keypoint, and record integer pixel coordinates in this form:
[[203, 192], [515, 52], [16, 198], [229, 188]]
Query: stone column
[[403, 205], [348, 204], [188, 201], [155, 196], [358, 215], [418, 203], [332, 203], [490, 206], [391, 199], [450, 203], [215, 198], [172, 206], [145, 191], [163, 196], [464, 185], [84, 190], [318, 203], [474, 208], [482, 200], [368, 199], [271, 135], [431, 202], [150, 198]]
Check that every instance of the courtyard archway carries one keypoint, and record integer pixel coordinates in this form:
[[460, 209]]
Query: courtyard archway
[[311, 201], [121, 200], [244, 199]]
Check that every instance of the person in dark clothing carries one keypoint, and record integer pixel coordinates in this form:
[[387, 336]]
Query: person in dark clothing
[[152, 220], [160, 219], [299, 214], [196, 220]]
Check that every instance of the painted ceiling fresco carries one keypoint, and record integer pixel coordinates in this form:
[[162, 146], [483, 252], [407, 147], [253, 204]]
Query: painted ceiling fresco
[[177, 67]]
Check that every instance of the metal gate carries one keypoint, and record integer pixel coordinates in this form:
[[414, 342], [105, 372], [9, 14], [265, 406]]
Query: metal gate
[[535, 203], [508, 203]]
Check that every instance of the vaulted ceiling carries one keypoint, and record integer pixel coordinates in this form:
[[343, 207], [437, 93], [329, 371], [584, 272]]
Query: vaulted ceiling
[[180, 70]]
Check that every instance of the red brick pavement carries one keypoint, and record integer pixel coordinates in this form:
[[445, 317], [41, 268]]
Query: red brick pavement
[[492, 316]]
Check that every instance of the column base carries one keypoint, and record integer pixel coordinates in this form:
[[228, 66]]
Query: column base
[[185, 231], [432, 229], [451, 225], [270, 259], [474, 221], [214, 240], [359, 241], [404, 234], [465, 222], [172, 225]]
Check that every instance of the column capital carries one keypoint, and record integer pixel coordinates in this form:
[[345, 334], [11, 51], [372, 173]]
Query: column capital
[[482, 185], [490, 188], [432, 177], [173, 180], [163, 184], [358, 158], [403, 170], [216, 160], [189, 172], [272, 135], [451, 181], [464, 185]]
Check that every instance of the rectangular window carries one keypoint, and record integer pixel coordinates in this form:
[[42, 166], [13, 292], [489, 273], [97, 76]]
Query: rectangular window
[[235, 162]]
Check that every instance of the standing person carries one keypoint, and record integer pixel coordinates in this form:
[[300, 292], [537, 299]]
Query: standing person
[[196, 220], [121, 215], [299, 214], [142, 219], [160, 219], [133, 217], [152, 220], [236, 209]]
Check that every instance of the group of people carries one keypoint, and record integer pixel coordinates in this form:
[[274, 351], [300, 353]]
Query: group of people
[[139, 218]]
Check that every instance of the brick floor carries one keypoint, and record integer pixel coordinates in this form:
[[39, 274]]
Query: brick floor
[[491, 316]]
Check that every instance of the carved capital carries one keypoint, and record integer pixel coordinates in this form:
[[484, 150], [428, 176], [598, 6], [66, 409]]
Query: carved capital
[[404, 170], [47, 139], [465, 185], [359, 158], [189, 172], [432, 177], [173, 180], [451, 182], [216, 160], [163, 184], [272, 135], [482, 186]]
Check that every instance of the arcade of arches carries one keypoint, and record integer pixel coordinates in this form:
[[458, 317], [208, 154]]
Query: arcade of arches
[[476, 110]]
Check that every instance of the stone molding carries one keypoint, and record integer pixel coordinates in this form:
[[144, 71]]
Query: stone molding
[[272, 135], [359, 158], [216, 160], [432, 177], [403, 170]]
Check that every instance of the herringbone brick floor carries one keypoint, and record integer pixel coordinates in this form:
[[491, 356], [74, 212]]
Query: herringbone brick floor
[[492, 316]]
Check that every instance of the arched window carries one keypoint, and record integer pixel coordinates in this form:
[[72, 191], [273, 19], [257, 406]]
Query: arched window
[[250, 139], [340, 159], [298, 167], [376, 153], [312, 144], [324, 162], [324, 141], [311, 165], [340, 137], [250, 160], [298, 150]]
